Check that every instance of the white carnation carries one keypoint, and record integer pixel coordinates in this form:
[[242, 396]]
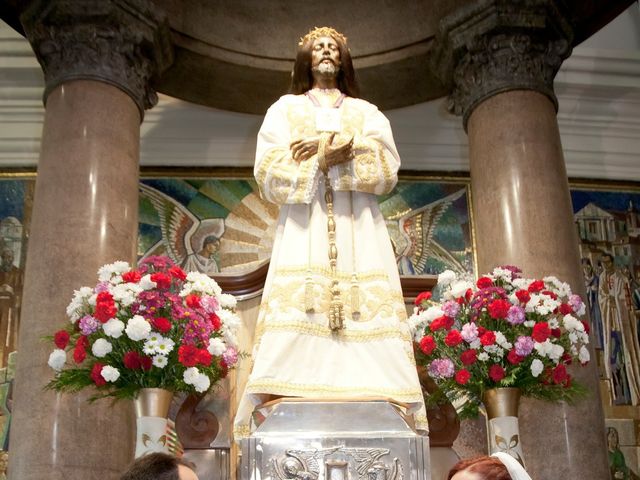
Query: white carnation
[[521, 283], [109, 373], [126, 293], [202, 383], [190, 375], [74, 309], [544, 348], [117, 268], [146, 283], [458, 289], [216, 346], [446, 277], [556, 352], [571, 323], [483, 356], [227, 301], [137, 328], [536, 367], [57, 359], [501, 273], [583, 355], [113, 328], [101, 347]]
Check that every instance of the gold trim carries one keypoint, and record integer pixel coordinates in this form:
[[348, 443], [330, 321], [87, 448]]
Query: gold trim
[[349, 335]]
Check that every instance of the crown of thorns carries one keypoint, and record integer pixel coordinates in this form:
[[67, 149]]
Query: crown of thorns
[[318, 32]]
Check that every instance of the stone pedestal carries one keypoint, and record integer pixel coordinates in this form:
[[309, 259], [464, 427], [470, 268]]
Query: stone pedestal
[[334, 440]]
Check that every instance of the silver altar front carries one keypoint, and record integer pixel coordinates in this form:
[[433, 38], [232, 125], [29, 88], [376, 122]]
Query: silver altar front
[[302, 439]]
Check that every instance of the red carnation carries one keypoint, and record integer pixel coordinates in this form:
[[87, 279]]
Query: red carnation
[[161, 324], [105, 307], [499, 308], [192, 301], [177, 272], [484, 282], [488, 338], [204, 357], [541, 332], [559, 374], [536, 286], [496, 372], [96, 374], [523, 296], [469, 357], [146, 362], [131, 360], [565, 309], [82, 341], [427, 344], [453, 338], [447, 322], [463, 376], [422, 297], [79, 353], [481, 331], [566, 358], [587, 328], [188, 355], [556, 332], [437, 323], [551, 294], [61, 339], [161, 279], [215, 321], [468, 294], [513, 357], [131, 277]]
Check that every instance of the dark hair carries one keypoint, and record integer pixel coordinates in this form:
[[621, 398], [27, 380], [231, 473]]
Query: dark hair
[[155, 466], [302, 79], [608, 255], [490, 468], [209, 239]]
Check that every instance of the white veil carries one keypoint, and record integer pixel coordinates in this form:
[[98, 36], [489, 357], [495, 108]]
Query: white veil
[[513, 466]]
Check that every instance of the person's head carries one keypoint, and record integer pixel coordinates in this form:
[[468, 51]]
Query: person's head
[[607, 262], [211, 244], [324, 52], [480, 468], [159, 466], [586, 265]]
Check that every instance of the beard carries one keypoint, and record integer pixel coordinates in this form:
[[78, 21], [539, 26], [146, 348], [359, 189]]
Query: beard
[[326, 69]]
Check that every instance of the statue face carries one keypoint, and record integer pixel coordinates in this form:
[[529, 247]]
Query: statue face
[[325, 56]]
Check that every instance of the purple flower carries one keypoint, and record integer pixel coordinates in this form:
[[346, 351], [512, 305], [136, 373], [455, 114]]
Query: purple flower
[[88, 325], [515, 315], [441, 368], [515, 271], [209, 303], [230, 356], [576, 302], [197, 329], [469, 332], [524, 345], [102, 287], [155, 263], [451, 308]]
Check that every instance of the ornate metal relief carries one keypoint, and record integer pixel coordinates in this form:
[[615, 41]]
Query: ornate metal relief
[[333, 464]]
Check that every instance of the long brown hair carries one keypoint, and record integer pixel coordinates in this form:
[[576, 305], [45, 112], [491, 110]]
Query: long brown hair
[[302, 79], [490, 468]]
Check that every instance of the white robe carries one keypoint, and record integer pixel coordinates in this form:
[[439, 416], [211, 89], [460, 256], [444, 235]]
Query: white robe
[[295, 353]]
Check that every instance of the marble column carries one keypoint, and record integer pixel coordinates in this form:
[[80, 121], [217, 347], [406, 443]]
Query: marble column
[[500, 58], [98, 57]]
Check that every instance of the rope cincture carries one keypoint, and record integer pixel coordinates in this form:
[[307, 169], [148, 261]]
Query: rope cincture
[[336, 308]]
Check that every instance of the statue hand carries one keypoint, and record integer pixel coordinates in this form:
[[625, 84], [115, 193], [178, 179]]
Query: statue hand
[[304, 148], [339, 153]]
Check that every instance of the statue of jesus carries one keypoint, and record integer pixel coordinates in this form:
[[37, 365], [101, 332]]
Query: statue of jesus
[[332, 322]]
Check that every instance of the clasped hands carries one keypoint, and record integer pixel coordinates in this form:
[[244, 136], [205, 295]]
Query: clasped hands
[[304, 149]]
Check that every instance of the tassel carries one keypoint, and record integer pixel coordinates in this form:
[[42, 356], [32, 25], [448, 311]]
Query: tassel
[[355, 297], [309, 300]]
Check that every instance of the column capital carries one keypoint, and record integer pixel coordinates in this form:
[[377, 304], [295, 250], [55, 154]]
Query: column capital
[[493, 46], [125, 43]]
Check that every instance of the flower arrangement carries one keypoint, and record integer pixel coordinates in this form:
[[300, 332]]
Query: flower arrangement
[[151, 327], [502, 331]]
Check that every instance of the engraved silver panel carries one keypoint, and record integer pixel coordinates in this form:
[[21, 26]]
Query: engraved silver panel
[[335, 440]]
